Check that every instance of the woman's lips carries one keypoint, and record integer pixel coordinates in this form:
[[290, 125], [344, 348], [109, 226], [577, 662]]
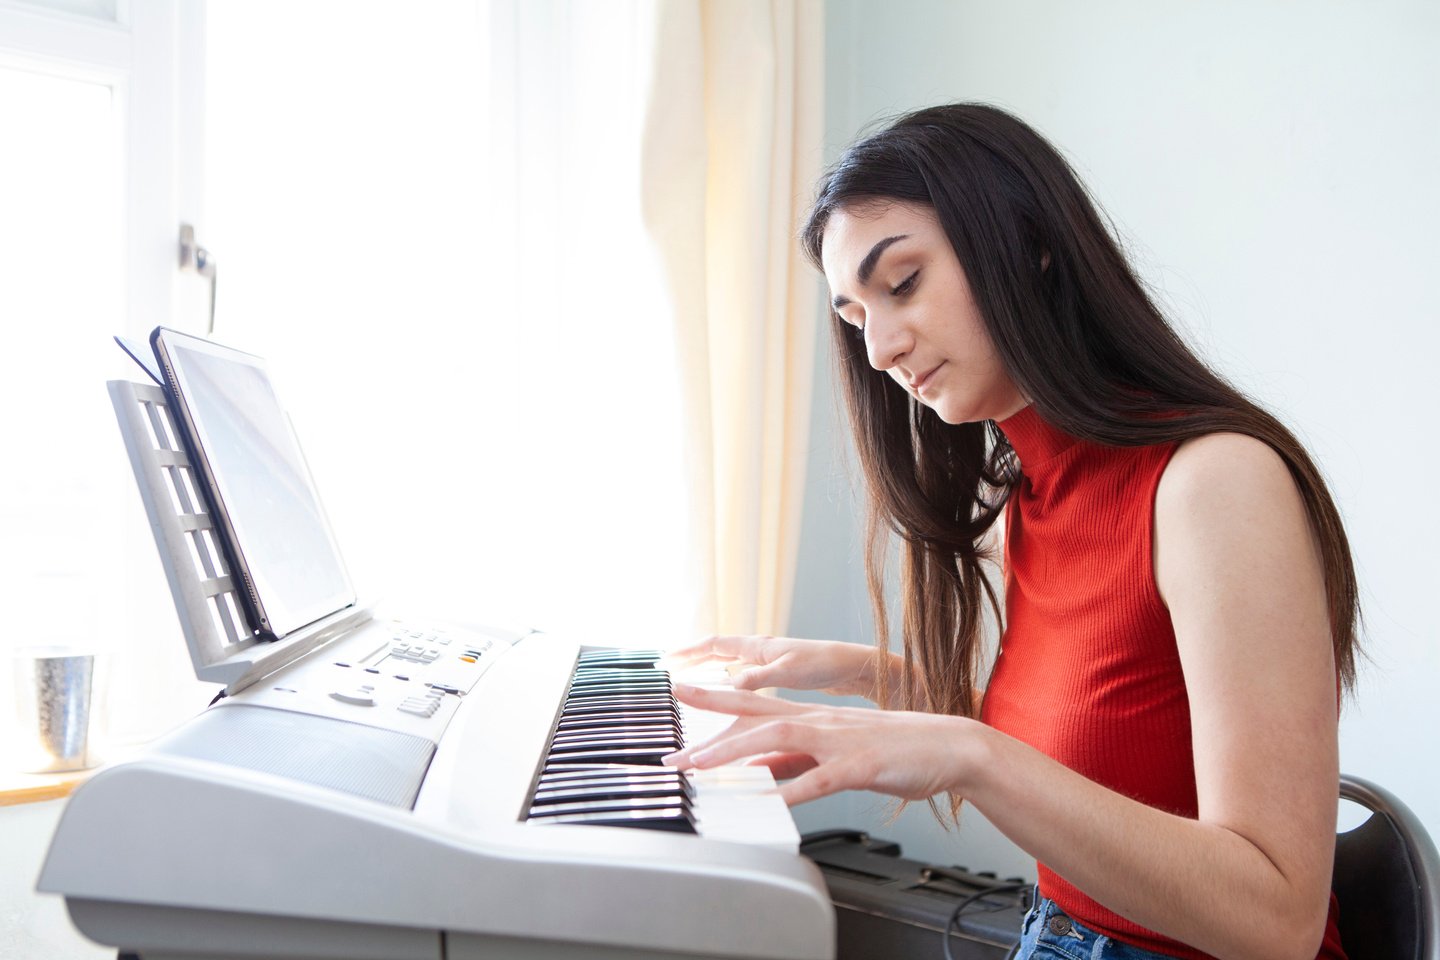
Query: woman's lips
[[919, 385]]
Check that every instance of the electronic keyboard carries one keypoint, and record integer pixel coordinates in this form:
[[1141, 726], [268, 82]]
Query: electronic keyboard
[[373, 789], [447, 798]]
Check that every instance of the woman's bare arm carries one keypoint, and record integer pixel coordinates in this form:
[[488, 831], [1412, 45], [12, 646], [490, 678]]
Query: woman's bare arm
[[1237, 565]]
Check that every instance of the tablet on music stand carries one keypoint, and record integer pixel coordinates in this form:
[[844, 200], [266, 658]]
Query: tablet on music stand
[[255, 482]]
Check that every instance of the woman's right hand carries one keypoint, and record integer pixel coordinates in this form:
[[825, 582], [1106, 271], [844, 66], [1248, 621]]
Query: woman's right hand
[[845, 669]]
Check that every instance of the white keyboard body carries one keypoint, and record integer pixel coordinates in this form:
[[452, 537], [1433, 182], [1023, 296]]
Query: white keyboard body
[[343, 808]]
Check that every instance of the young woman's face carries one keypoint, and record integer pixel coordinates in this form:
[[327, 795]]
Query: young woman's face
[[894, 275]]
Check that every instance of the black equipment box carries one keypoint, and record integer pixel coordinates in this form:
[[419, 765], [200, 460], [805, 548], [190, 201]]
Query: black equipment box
[[889, 907]]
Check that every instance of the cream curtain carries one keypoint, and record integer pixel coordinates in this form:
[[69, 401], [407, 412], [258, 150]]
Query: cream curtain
[[731, 150]]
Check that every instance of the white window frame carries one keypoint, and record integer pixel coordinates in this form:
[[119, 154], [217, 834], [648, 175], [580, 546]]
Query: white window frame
[[152, 56]]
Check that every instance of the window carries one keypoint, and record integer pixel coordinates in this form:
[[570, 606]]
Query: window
[[91, 194], [427, 221]]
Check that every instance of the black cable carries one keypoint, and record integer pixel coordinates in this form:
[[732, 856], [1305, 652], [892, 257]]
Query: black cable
[[954, 922]]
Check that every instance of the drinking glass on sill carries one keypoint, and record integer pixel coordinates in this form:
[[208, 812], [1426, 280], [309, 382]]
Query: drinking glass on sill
[[54, 687]]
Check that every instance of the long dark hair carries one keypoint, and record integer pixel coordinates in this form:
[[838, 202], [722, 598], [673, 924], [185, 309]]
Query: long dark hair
[[1078, 335]]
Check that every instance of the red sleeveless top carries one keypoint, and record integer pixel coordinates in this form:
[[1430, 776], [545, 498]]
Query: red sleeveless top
[[1088, 671]]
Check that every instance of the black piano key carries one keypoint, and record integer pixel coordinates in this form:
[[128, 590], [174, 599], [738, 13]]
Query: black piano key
[[605, 805], [601, 733], [625, 672], [600, 721], [598, 708], [622, 704], [616, 693], [656, 739], [619, 655], [612, 795], [620, 690], [676, 819], [618, 739], [608, 707], [620, 658], [682, 795], [673, 788], [615, 726], [608, 772], [600, 724], [566, 788], [618, 729], [643, 775], [561, 749], [616, 769], [609, 690], [591, 693], [647, 755]]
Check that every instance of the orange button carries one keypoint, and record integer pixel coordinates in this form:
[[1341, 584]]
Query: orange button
[[468, 659]]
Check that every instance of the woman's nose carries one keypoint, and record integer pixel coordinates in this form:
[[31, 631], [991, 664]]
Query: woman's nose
[[886, 341]]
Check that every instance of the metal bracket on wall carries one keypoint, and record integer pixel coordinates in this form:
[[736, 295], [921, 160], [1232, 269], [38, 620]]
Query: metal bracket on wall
[[198, 258]]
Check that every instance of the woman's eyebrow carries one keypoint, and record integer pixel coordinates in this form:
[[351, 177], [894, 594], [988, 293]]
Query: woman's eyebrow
[[867, 266]]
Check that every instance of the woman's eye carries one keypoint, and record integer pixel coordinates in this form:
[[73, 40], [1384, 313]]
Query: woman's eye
[[905, 286]]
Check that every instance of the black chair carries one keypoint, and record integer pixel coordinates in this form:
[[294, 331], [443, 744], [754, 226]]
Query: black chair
[[1387, 879]]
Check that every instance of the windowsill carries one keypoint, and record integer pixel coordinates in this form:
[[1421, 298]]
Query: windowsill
[[17, 788]]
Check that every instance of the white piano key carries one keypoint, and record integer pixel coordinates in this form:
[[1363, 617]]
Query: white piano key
[[737, 802]]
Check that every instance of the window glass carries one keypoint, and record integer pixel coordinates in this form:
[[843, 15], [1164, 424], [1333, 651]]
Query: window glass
[[439, 251], [62, 298]]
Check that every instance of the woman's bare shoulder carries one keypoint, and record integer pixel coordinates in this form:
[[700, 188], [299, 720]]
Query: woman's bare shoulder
[[1227, 510], [1225, 470]]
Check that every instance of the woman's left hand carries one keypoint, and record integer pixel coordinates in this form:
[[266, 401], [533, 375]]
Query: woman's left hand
[[828, 749]]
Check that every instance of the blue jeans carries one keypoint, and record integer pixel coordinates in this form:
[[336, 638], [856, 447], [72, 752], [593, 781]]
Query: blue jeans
[[1048, 934]]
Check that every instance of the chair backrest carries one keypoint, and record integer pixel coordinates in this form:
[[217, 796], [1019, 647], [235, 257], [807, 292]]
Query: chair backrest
[[1387, 880]]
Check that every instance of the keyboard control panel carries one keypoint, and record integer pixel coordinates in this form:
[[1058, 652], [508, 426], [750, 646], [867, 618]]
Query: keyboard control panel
[[389, 673]]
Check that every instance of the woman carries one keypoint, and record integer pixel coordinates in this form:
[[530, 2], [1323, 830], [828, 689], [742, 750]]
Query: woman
[[1159, 727]]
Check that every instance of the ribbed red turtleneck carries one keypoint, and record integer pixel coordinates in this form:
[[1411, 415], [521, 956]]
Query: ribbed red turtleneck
[[1088, 671]]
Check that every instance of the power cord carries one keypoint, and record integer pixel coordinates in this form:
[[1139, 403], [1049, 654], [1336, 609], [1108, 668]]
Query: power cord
[[952, 926]]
